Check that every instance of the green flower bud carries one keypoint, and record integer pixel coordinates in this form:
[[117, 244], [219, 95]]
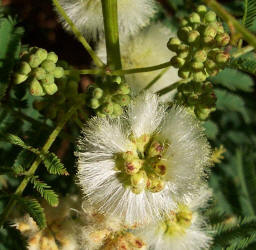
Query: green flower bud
[[39, 73], [24, 68], [192, 99], [123, 89], [59, 72], [203, 114], [122, 100], [184, 73], [194, 18], [222, 57], [212, 72], [200, 56], [193, 36], [117, 80], [197, 65], [34, 61], [49, 79], [52, 57], [210, 64], [173, 43], [41, 53], [201, 9], [210, 17], [177, 62], [50, 89], [209, 34], [183, 54], [183, 33], [213, 53], [107, 108], [97, 93], [94, 103], [219, 27], [199, 76], [117, 110], [222, 40], [183, 22], [133, 167], [48, 65], [160, 168], [156, 149], [35, 88], [139, 182], [19, 78], [155, 184], [183, 47]]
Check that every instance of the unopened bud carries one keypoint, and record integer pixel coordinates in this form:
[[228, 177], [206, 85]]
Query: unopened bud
[[41, 53], [199, 76], [19, 78], [155, 184], [58, 72], [24, 68], [177, 62], [201, 9], [222, 57], [123, 89], [209, 34], [133, 167], [139, 181], [183, 33], [210, 64], [36, 89], [210, 17], [39, 73], [48, 65], [194, 18], [197, 65], [117, 109], [52, 57], [156, 149], [160, 168], [122, 100], [34, 61], [117, 80], [173, 43], [94, 103], [48, 79], [183, 22], [97, 93], [107, 108], [193, 36], [50, 89], [184, 73], [200, 56]]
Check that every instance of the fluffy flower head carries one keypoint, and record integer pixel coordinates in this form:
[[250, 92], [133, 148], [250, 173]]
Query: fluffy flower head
[[132, 167], [87, 15], [182, 228]]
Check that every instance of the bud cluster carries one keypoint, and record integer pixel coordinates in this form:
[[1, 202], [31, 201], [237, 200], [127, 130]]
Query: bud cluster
[[109, 97], [198, 97], [54, 107], [142, 168], [199, 46], [176, 222], [38, 68]]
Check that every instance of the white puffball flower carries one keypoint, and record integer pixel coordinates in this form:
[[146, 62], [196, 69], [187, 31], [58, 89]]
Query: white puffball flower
[[131, 167], [183, 228], [146, 49], [105, 232], [87, 16]]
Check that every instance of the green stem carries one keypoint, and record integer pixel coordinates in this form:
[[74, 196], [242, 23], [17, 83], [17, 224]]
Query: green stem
[[157, 78], [242, 51], [246, 35], [240, 43], [172, 86], [78, 34], [109, 9], [34, 166], [140, 70], [86, 71]]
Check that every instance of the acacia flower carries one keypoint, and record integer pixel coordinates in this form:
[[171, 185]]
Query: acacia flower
[[131, 167], [146, 49], [182, 228], [87, 15]]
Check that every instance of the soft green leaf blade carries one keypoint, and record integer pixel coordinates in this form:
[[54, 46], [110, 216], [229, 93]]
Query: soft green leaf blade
[[33, 207], [45, 191]]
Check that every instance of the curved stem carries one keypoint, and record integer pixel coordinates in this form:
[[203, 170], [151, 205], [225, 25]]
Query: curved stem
[[242, 51], [78, 34], [86, 71], [140, 70], [157, 78], [172, 86], [12, 202], [246, 34]]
